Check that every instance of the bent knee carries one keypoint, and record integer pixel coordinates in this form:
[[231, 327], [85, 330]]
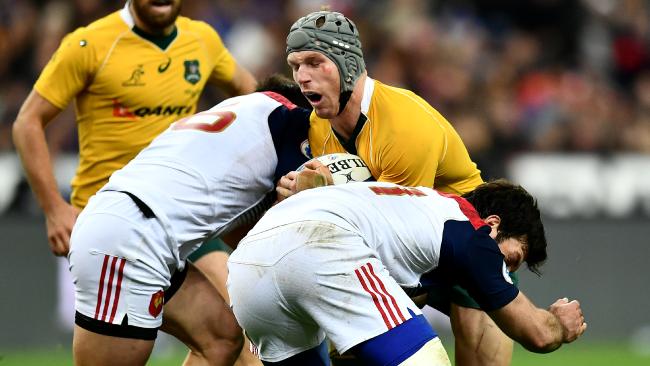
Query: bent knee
[[219, 349]]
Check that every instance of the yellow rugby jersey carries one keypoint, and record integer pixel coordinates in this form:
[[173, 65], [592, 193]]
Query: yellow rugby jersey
[[404, 140], [129, 87]]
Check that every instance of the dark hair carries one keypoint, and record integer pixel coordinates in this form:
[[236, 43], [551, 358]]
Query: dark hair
[[286, 87], [520, 217]]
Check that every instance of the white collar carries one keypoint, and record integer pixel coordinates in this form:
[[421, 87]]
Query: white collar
[[126, 15], [368, 88]]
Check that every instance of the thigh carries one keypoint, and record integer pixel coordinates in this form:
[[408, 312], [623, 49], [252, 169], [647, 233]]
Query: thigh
[[214, 266], [93, 349], [198, 316], [478, 340], [117, 282]]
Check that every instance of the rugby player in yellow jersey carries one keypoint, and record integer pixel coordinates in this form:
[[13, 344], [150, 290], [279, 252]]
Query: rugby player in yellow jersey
[[130, 74], [401, 138]]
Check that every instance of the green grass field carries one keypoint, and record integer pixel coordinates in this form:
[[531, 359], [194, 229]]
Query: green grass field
[[578, 354]]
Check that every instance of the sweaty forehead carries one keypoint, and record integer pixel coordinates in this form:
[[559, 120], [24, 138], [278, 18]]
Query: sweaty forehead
[[304, 56]]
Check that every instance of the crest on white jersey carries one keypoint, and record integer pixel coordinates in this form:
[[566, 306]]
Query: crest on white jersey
[[506, 274]]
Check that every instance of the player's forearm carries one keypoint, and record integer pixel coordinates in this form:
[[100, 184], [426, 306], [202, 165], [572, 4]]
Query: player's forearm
[[536, 329], [243, 82], [29, 139], [545, 333]]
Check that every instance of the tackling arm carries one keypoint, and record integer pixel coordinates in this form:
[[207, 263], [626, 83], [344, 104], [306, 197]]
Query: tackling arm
[[29, 138], [540, 330], [243, 82]]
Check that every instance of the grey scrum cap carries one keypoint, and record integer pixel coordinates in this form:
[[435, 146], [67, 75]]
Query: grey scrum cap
[[336, 37]]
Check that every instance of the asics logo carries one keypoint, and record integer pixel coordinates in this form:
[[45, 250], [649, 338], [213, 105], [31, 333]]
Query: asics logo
[[164, 66]]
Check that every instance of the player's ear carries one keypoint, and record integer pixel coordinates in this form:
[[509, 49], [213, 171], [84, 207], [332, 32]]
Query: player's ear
[[493, 221]]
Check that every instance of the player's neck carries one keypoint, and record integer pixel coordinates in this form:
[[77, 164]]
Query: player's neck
[[345, 123]]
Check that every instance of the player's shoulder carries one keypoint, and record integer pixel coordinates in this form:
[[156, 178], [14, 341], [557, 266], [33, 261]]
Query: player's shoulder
[[100, 33], [395, 99], [392, 106], [196, 27], [109, 26]]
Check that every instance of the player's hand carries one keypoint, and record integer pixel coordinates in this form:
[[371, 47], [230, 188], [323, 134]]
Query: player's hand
[[319, 168], [570, 317], [59, 222], [286, 186], [313, 174]]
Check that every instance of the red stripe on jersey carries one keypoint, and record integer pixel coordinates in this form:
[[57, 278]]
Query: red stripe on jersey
[[101, 287], [383, 288], [118, 289], [254, 350], [109, 289], [467, 209], [384, 298], [374, 298], [279, 98]]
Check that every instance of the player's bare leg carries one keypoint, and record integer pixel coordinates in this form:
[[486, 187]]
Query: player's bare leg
[[94, 349], [214, 266], [478, 340], [432, 353], [198, 316]]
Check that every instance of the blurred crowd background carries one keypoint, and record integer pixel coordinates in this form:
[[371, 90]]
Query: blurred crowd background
[[521, 81], [512, 76]]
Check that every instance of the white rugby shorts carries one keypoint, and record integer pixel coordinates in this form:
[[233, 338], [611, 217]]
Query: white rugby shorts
[[293, 285], [121, 262]]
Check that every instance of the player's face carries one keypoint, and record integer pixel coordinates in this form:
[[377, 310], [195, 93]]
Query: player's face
[[514, 251], [156, 16], [319, 81]]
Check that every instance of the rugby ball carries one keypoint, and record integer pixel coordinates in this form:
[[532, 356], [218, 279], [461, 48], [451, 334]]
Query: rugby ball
[[345, 168]]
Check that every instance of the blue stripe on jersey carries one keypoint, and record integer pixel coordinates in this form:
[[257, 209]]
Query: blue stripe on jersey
[[397, 344], [471, 258], [289, 129]]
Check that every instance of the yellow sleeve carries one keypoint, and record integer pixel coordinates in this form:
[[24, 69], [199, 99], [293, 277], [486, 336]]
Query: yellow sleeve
[[224, 63], [69, 70], [456, 173]]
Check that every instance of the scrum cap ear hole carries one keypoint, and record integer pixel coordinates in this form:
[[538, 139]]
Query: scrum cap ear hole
[[320, 21]]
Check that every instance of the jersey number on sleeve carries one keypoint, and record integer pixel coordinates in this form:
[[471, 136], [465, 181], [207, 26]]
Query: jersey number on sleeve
[[397, 191], [211, 121]]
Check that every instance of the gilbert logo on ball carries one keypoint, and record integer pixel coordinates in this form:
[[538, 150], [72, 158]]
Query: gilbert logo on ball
[[345, 168]]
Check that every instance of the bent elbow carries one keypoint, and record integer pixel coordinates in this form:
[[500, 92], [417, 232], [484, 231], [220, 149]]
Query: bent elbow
[[20, 126]]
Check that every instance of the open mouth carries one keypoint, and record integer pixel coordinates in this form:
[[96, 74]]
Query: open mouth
[[313, 97], [161, 2]]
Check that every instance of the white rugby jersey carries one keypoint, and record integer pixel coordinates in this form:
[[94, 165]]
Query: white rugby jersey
[[413, 231], [208, 170]]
